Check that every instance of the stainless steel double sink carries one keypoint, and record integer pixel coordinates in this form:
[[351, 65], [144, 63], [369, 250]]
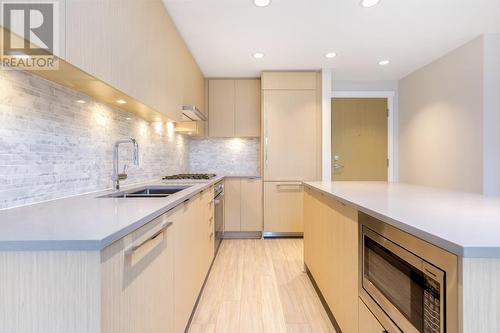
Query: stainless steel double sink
[[154, 191]]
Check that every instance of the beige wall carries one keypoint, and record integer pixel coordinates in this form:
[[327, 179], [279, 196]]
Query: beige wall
[[441, 121]]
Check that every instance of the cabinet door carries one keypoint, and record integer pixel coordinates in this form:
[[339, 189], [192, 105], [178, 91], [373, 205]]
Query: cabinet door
[[283, 207], [189, 260], [232, 204], [290, 80], [251, 205], [137, 286], [247, 108], [367, 321], [331, 254], [221, 108], [207, 223], [292, 142], [145, 57], [316, 238], [342, 256]]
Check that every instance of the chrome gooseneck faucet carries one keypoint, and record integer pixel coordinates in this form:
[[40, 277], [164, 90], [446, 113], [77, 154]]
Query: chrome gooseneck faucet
[[116, 177]]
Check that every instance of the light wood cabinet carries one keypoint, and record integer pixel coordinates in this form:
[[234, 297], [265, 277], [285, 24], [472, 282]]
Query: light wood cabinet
[[232, 204], [291, 145], [367, 321], [251, 205], [292, 149], [290, 81], [145, 58], [243, 205], [331, 253], [194, 251], [147, 281], [137, 283], [247, 108], [234, 108], [221, 97], [283, 207]]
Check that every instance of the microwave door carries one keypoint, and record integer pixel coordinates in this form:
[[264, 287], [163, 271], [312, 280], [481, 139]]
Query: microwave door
[[398, 281]]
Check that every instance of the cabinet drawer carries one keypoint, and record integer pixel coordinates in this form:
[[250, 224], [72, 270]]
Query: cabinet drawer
[[283, 207], [251, 205], [137, 280], [367, 321]]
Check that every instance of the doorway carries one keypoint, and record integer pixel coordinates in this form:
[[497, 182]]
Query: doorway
[[360, 139]]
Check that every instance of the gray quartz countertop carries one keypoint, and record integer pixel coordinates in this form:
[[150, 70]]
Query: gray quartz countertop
[[85, 222], [465, 224]]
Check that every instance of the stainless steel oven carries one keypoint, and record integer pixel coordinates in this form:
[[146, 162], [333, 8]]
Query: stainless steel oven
[[412, 282]]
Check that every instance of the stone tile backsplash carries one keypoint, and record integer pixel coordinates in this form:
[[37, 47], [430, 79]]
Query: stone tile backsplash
[[52, 147], [227, 156]]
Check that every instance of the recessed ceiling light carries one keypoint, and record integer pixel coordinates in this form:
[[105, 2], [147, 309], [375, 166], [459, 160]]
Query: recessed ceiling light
[[81, 101], [369, 3], [258, 55], [121, 101], [262, 3], [384, 62], [128, 118], [330, 55]]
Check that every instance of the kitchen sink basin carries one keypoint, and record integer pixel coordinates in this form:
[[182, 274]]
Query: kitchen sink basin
[[157, 191]]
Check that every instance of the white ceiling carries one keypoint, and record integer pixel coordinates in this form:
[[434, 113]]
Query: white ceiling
[[295, 34]]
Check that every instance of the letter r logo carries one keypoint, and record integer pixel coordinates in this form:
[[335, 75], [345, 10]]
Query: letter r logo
[[33, 22]]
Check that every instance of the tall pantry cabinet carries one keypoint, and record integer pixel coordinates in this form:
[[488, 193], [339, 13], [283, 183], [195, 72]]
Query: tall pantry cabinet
[[291, 134]]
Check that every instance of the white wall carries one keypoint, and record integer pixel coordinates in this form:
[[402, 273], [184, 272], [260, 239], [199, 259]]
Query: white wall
[[491, 115], [441, 121]]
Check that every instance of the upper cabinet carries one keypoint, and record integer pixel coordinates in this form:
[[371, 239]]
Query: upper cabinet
[[234, 108], [247, 108], [292, 126], [289, 81], [221, 100], [135, 47]]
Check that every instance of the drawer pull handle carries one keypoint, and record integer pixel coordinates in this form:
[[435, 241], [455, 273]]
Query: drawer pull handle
[[133, 248], [289, 185]]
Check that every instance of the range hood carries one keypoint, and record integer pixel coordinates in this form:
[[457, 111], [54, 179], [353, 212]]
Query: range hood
[[191, 113]]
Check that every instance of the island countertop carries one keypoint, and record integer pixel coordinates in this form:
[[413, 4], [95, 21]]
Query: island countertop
[[465, 224], [86, 222]]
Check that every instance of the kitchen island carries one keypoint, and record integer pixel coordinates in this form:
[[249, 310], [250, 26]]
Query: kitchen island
[[464, 226]]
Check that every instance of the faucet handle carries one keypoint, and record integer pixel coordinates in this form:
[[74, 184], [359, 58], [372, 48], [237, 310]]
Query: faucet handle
[[125, 167]]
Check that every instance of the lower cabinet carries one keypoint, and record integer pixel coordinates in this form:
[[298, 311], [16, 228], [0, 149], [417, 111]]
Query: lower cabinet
[[367, 321], [283, 207], [194, 251], [330, 244], [151, 278], [147, 281], [243, 205], [137, 280]]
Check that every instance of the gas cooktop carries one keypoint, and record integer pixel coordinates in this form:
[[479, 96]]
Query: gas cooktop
[[191, 176]]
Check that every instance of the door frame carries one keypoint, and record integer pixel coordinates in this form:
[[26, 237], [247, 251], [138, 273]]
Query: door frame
[[389, 95]]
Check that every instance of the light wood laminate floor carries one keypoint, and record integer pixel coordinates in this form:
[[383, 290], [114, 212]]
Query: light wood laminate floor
[[260, 286]]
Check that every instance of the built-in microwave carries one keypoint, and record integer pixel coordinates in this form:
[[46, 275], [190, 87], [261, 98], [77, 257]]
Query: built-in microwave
[[409, 289], [408, 284]]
